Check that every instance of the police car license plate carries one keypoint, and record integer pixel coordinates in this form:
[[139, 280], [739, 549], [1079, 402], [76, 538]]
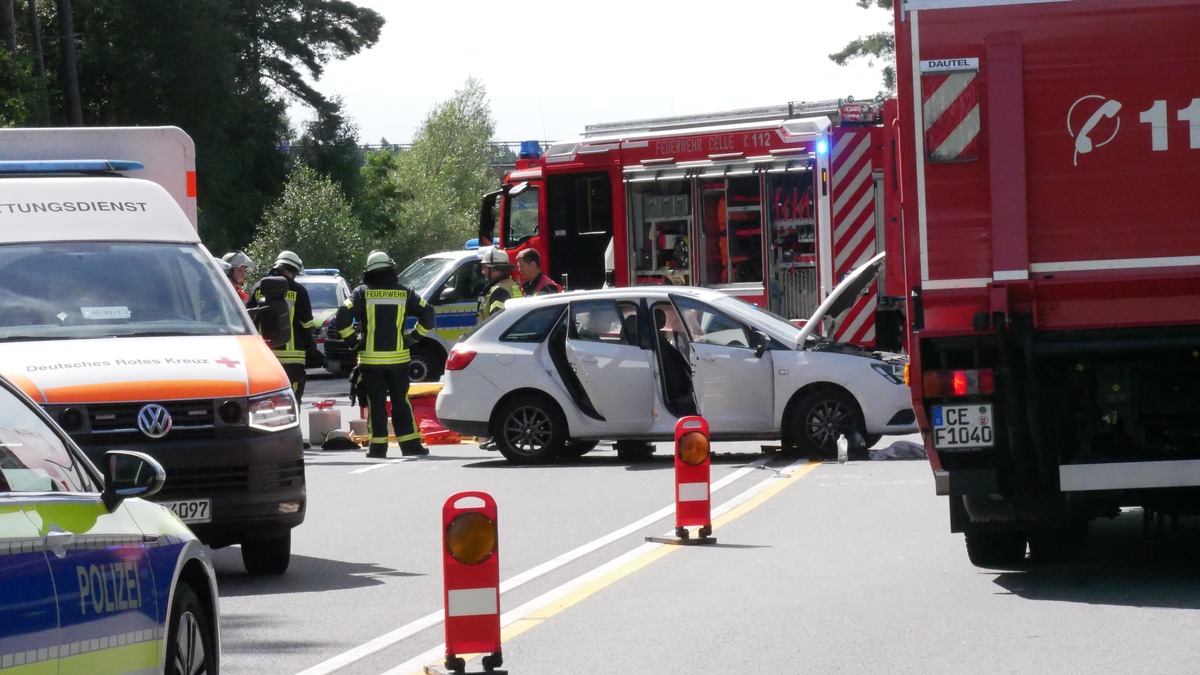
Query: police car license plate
[[192, 510], [963, 426]]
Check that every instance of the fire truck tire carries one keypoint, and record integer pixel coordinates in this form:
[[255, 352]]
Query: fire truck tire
[[573, 448], [819, 418], [529, 429], [996, 550]]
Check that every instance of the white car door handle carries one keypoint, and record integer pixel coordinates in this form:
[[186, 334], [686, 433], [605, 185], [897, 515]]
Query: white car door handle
[[589, 359], [58, 541]]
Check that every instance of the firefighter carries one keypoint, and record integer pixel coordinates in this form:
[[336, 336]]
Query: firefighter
[[292, 353], [380, 306], [500, 286], [529, 264], [240, 265]]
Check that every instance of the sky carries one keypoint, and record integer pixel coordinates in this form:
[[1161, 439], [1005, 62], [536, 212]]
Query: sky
[[550, 68]]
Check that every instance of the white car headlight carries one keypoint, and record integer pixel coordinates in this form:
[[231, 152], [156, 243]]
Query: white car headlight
[[894, 372], [276, 411]]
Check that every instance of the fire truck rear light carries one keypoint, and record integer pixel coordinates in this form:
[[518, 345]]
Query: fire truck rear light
[[459, 359], [949, 383]]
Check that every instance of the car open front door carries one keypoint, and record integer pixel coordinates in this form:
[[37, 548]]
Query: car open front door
[[734, 385], [603, 351]]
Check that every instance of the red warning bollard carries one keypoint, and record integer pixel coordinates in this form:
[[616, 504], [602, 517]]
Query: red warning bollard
[[693, 504], [471, 573]]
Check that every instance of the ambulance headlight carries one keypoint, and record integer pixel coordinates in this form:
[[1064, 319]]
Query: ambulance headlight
[[274, 412]]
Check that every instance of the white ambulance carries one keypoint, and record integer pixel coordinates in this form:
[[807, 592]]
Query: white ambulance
[[119, 323]]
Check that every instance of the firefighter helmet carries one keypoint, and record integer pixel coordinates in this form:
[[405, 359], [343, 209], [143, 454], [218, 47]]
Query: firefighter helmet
[[289, 259], [379, 260], [494, 257], [239, 259]]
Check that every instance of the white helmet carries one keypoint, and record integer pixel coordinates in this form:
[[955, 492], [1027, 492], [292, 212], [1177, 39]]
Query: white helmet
[[494, 257], [379, 260], [239, 259], [290, 259]]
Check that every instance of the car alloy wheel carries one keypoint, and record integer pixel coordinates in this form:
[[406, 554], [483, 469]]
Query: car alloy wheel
[[530, 429], [190, 649], [819, 418]]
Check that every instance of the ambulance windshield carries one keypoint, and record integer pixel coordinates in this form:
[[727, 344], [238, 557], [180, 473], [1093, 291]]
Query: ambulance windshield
[[64, 290]]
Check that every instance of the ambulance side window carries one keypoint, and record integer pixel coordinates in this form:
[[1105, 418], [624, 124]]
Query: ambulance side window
[[32, 457]]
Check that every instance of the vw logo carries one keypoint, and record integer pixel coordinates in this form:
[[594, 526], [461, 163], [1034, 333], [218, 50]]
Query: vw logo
[[154, 420]]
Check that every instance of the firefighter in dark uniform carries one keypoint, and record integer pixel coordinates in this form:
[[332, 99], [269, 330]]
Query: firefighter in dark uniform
[[292, 354], [501, 286], [380, 306]]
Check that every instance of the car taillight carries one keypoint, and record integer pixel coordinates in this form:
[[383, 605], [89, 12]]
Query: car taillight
[[946, 383], [459, 359]]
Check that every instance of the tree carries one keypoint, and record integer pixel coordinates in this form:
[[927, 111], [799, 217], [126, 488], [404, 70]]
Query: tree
[[312, 219], [442, 178], [876, 46], [330, 147]]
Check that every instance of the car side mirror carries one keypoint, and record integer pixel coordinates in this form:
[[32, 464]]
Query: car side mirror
[[447, 296], [130, 474], [760, 341]]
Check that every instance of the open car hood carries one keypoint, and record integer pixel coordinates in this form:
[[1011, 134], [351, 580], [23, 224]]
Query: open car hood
[[842, 297]]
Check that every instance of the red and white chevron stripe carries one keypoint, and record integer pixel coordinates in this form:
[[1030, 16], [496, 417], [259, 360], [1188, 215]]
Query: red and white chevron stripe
[[853, 194], [951, 112]]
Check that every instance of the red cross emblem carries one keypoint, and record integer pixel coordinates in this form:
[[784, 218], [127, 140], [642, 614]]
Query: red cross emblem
[[226, 361]]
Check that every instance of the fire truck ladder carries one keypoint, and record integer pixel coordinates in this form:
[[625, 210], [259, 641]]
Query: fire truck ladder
[[791, 110]]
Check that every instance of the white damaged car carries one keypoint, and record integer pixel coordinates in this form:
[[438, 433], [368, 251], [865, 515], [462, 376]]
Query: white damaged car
[[551, 375]]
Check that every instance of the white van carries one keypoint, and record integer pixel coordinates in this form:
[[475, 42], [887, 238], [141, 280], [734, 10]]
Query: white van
[[117, 320]]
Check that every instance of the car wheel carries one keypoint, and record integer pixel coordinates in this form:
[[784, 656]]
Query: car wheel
[[530, 429], [1003, 550], [817, 421], [572, 449], [190, 649], [267, 555], [424, 366]]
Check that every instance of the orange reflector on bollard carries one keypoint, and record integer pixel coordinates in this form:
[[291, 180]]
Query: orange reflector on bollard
[[471, 538], [693, 448]]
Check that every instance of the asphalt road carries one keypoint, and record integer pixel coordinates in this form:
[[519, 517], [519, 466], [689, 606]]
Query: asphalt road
[[829, 568]]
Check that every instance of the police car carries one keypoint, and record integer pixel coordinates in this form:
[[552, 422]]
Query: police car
[[451, 282], [93, 579], [327, 291]]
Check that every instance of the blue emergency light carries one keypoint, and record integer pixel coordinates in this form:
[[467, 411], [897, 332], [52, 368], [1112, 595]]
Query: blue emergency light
[[530, 150], [822, 147], [322, 271], [68, 165], [471, 244]]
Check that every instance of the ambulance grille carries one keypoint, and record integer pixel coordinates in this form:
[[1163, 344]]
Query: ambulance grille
[[187, 417], [184, 481]]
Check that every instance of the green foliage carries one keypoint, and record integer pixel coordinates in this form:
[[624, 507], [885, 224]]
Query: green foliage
[[313, 219], [880, 46], [443, 176], [381, 195], [329, 146]]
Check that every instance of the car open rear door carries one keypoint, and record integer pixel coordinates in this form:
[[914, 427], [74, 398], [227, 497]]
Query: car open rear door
[[614, 371]]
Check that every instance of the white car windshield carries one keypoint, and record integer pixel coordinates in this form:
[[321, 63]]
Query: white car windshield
[[65, 290], [759, 317], [422, 275]]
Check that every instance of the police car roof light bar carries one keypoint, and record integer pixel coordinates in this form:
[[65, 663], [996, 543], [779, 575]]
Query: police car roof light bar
[[68, 165]]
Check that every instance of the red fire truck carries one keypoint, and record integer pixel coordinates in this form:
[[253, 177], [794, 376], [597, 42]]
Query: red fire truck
[[773, 205], [1050, 152]]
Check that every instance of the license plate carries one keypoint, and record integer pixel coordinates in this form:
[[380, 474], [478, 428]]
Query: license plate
[[192, 510], [963, 426]]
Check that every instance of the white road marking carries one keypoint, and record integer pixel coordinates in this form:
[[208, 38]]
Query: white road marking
[[413, 627]]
